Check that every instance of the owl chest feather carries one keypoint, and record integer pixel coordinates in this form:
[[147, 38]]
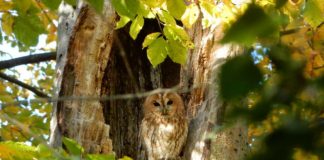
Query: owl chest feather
[[164, 137]]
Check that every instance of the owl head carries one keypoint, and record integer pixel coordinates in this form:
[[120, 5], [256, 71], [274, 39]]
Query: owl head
[[164, 104]]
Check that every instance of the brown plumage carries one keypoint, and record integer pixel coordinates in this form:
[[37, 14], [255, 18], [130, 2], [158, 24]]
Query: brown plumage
[[164, 127]]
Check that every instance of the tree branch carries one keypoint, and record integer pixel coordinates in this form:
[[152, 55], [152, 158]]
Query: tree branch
[[24, 85], [35, 58], [289, 31]]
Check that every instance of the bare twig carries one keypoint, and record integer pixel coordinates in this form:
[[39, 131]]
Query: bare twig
[[24, 85], [289, 31], [105, 97], [35, 58]]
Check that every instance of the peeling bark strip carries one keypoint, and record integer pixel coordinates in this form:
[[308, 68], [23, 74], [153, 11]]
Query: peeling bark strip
[[86, 60]]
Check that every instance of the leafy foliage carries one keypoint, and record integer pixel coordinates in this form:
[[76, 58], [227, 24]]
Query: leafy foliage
[[15, 150], [285, 112]]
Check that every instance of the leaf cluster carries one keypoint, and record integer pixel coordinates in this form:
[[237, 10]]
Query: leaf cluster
[[274, 86], [16, 150]]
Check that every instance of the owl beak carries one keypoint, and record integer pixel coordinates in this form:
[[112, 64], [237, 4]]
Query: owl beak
[[164, 111]]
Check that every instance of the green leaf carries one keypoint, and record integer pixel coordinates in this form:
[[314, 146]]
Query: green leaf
[[30, 24], [97, 5], [176, 8], [253, 24], [191, 15], [100, 157], [145, 11], [72, 146], [122, 22], [153, 3], [22, 5], [126, 7], [166, 18], [44, 151], [157, 51], [239, 76], [136, 26], [52, 4], [177, 52], [175, 32], [70, 2], [314, 12], [209, 12], [150, 38]]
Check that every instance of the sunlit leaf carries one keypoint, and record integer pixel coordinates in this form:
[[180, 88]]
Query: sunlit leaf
[[125, 158], [176, 8], [122, 22], [7, 23], [72, 146], [22, 5], [16, 150], [5, 5], [252, 24], [209, 12], [191, 15], [100, 157], [136, 26], [153, 3], [175, 32], [145, 11], [177, 52], [314, 12], [97, 5], [126, 7], [150, 38], [166, 18], [52, 4], [44, 151], [157, 51], [239, 76]]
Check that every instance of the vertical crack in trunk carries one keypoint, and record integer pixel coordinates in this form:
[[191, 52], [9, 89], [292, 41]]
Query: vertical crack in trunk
[[80, 74]]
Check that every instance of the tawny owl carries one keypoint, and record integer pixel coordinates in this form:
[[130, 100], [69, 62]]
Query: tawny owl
[[164, 127]]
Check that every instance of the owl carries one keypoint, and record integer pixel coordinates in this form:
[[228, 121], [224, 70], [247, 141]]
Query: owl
[[164, 127]]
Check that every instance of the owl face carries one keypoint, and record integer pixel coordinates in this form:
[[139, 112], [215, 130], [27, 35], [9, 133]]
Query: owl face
[[164, 104]]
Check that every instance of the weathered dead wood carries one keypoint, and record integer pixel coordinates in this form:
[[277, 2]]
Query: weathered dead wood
[[81, 67]]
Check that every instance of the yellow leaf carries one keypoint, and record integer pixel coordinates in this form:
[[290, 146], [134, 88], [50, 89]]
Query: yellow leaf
[[302, 155], [7, 23], [153, 4], [191, 15], [125, 158], [5, 5]]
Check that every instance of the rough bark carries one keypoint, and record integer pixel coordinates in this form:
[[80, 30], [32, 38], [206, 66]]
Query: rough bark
[[85, 40], [204, 106]]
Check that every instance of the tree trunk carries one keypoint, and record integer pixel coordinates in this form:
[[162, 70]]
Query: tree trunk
[[205, 108], [94, 60], [84, 44]]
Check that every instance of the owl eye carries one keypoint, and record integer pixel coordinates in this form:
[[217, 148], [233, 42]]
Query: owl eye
[[170, 102], [156, 104]]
